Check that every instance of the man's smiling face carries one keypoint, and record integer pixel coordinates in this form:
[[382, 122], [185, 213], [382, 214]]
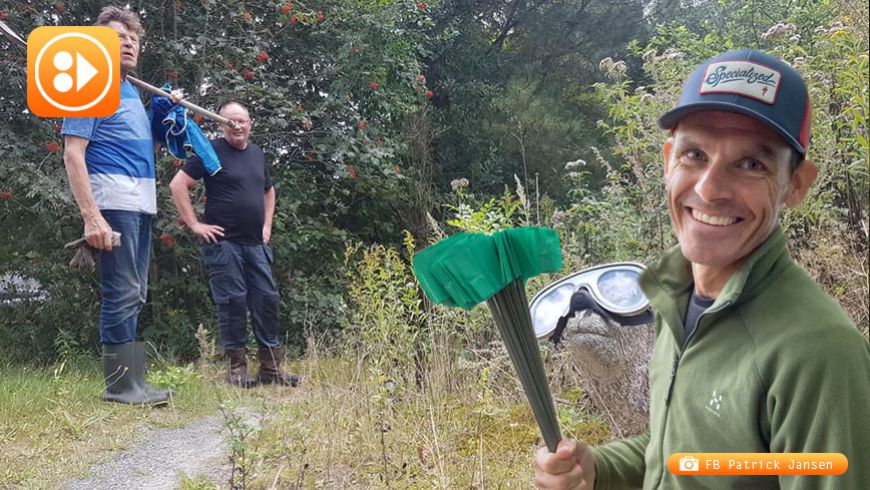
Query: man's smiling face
[[727, 179]]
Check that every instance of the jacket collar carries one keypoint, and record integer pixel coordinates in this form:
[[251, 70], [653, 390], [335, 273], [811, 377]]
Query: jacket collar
[[667, 283]]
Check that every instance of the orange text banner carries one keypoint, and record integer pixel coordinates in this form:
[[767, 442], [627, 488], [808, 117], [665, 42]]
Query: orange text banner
[[757, 464]]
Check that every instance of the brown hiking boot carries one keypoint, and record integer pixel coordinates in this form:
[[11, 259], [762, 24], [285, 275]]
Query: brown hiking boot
[[238, 375], [270, 368]]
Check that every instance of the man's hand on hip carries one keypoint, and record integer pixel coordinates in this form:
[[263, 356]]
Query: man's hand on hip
[[267, 234], [571, 467], [209, 233]]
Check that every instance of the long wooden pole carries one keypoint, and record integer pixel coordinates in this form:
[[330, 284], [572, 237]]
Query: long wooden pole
[[190, 105]]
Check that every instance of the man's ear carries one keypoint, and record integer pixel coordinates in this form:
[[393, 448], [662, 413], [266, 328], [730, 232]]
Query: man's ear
[[669, 144], [799, 183]]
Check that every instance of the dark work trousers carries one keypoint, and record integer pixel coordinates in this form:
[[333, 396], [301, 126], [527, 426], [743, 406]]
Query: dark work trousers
[[241, 280]]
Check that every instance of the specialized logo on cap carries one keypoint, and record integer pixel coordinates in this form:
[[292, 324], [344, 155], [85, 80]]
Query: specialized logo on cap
[[742, 78]]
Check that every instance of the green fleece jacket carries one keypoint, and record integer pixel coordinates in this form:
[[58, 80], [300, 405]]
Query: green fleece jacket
[[774, 366]]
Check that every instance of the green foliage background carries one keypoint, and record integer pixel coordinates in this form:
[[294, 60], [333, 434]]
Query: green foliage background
[[371, 111]]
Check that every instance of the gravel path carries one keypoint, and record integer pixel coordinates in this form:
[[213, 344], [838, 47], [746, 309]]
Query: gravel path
[[199, 449]]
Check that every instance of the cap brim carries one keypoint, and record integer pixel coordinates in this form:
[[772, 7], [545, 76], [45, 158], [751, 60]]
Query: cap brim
[[671, 118]]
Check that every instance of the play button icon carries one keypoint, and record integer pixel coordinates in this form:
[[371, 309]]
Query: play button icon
[[84, 71], [73, 71]]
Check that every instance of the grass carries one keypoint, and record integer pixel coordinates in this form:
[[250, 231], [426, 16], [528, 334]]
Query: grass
[[53, 425], [343, 428]]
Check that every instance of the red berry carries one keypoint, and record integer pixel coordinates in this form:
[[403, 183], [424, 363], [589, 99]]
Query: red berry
[[421, 6], [429, 94], [286, 8], [229, 65], [421, 79], [3, 15], [309, 156], [418, 88], [294, 20], [375, 85], [248, 17], [248, 74], [321, 16], [59, 7], [52, 147], [263, 57], [197, 119], [167, 240], [397, 169], [181, 222], [172, 74], [351, 172], [6, 196], [361, 125]]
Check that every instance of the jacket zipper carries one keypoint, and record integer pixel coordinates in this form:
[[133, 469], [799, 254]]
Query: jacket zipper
[[674, 367], [682, 349], [676, 364]]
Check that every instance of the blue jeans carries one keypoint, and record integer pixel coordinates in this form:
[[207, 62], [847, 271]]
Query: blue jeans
[[124, 276], [241, 281]]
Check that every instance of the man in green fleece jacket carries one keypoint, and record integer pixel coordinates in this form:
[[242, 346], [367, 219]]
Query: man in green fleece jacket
[[751, 355]]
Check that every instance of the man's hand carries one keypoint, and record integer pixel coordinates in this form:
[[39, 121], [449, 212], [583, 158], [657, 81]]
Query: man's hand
[[98, 233], [209, 233], [176, 96], [571, 467], [267, 234]]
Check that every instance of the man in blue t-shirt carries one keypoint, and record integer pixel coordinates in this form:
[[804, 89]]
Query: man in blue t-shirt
[[110, 165], [236, 228]]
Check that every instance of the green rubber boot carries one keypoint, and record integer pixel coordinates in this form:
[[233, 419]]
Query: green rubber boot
[[122, 370]]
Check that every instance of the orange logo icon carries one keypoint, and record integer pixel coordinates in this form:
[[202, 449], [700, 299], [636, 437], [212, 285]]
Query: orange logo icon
[[73, 71]]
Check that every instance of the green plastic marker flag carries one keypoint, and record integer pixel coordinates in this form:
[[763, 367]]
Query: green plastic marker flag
[[469, 268]]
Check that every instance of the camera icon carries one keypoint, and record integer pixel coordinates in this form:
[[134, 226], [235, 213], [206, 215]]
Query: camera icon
[[689, 463]]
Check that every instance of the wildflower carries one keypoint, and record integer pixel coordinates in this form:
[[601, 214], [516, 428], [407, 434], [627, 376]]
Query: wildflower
[[575, 164], [673, 54], [778, 30], [457, 184], [558, 218]]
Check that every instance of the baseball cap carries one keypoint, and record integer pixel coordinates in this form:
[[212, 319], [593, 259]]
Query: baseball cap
[[752, 83]]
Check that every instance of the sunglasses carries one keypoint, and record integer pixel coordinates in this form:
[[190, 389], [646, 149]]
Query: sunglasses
[[610, 289]]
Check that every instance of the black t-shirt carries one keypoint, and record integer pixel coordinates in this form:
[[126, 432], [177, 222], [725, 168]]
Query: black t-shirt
[[234, 197]]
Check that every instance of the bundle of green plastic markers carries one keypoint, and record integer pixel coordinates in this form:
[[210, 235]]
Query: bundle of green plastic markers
[[469, 268]]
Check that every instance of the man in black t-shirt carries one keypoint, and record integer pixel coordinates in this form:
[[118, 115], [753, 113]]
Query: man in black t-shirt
[[236, 229]]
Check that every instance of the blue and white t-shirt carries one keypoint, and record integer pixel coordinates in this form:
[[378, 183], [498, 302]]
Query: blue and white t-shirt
[[120, 155]]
